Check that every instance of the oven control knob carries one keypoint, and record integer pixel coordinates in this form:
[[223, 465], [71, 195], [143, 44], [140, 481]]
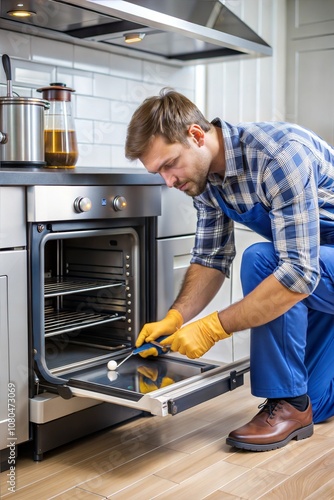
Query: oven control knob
[[82, 204], [119, 203]]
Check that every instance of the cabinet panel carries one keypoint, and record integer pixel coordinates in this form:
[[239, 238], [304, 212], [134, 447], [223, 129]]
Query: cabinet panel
[[307, 18], [14, 342], [314, 91], [12, 217], [243, 239], [221, 351], [310, 65], [173, 256], [310, 85], [4, 368]]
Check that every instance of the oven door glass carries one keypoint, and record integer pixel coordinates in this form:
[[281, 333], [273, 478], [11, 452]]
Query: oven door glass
[[163, 385]]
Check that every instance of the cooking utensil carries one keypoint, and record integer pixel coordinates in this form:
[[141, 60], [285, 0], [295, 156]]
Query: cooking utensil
[[162, 349], [21, 126], [8, 72]]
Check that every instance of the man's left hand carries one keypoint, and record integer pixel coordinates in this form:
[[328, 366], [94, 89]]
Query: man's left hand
[[196, 338]]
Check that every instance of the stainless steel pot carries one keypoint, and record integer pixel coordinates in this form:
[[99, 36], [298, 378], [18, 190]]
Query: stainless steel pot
[[21, 126], [22, 131]]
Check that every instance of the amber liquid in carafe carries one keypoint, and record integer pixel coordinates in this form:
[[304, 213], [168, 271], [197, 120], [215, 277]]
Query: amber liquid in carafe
[[61, 149]]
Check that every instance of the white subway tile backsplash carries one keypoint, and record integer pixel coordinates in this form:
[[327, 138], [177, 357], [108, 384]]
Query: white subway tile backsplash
[[83, 83], [94, 155], [51, 52], [169, 76], [88, 59], [119, 160], [126, 67], [92, 108], [15, 44], [122, 111], [64, 77], [80, 81], [138, 91], [84, 130], [109, 133], [103, 132], [20, 91], [30, 74], [109, 86]]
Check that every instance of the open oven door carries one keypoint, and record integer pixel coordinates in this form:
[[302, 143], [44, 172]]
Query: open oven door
[[167, 384]]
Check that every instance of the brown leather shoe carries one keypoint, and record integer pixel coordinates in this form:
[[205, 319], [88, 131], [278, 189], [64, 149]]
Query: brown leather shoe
[[273, 427]]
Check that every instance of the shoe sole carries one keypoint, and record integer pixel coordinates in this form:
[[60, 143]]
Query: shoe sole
[[303, 433]]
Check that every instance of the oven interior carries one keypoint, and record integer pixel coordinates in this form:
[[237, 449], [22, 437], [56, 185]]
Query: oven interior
[[90, 287], [91, 284]]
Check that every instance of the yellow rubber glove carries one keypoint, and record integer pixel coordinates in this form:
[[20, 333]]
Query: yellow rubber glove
[[151, 331], [196, 338]]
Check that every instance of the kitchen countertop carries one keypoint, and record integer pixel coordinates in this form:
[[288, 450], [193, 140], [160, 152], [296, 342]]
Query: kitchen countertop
[[82, 176]]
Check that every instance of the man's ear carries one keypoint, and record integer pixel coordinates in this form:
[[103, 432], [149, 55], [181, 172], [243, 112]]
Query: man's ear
[[196, 133]]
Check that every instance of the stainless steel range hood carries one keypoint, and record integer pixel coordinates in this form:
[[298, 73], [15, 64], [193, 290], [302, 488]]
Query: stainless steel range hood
[[183, 31]]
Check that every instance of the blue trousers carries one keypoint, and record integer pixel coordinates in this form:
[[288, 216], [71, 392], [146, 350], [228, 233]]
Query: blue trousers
[[294, 354]]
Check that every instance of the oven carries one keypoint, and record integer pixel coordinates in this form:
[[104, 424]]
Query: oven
[[93, 282]]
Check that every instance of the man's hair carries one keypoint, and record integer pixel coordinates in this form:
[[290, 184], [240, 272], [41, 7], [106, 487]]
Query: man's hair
[[169, 115]]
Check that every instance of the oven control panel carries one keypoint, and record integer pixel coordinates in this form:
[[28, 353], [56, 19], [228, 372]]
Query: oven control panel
[[56, 203]]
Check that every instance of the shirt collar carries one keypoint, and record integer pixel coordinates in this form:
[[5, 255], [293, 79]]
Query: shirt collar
[[233, 153]]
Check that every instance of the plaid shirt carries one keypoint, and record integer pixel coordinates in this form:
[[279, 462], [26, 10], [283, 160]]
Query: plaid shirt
[[290, 171]]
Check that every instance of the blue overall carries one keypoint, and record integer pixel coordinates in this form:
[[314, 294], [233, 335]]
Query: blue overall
[[293, 354]]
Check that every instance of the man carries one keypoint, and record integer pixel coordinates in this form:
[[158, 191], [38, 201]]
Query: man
[[278, 180]]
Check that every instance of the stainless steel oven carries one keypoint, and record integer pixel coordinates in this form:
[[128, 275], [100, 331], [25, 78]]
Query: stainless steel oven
[[93, 276]]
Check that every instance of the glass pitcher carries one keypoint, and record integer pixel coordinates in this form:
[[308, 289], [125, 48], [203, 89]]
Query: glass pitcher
[[61, 147]]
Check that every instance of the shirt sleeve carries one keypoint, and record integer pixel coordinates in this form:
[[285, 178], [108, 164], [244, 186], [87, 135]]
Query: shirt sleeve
[[214, 241], [291, 191]]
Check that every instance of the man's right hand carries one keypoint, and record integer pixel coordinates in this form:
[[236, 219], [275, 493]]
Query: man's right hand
[[151, 331]]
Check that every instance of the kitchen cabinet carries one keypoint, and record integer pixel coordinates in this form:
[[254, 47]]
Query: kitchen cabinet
[[176, 228], [244, 238], [310, 65], [13, 324]]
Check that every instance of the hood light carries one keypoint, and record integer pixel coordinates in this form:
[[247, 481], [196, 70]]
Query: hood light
[[134, 37], [21, 11]]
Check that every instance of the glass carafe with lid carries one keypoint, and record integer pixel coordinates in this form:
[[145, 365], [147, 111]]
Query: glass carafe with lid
[[61, 148]]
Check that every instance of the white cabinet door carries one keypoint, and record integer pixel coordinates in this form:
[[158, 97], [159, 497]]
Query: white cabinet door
[[243, 239], [14, 418], [173, 256], [12, 217], [310, 65], [221, 351]]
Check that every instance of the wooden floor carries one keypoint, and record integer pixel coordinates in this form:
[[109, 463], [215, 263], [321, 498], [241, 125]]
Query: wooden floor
[[180, 457]]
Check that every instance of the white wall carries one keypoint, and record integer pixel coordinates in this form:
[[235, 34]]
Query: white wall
[[109, 87], [253, 89]]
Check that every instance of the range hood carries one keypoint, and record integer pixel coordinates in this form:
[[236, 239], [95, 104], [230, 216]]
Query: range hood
[[183, 31]]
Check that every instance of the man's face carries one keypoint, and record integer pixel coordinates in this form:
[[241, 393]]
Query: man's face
[[185, 168]]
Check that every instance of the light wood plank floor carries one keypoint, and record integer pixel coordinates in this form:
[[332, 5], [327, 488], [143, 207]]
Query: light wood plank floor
[[180, 457]]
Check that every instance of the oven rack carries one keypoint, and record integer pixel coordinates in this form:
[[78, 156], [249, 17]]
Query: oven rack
[[64, 321], [60, 285]]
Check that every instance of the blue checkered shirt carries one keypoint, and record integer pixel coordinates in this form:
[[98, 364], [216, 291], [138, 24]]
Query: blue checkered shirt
[[290, 171]]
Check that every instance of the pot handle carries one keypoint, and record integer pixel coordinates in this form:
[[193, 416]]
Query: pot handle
[[3, 138], [8, 72]]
